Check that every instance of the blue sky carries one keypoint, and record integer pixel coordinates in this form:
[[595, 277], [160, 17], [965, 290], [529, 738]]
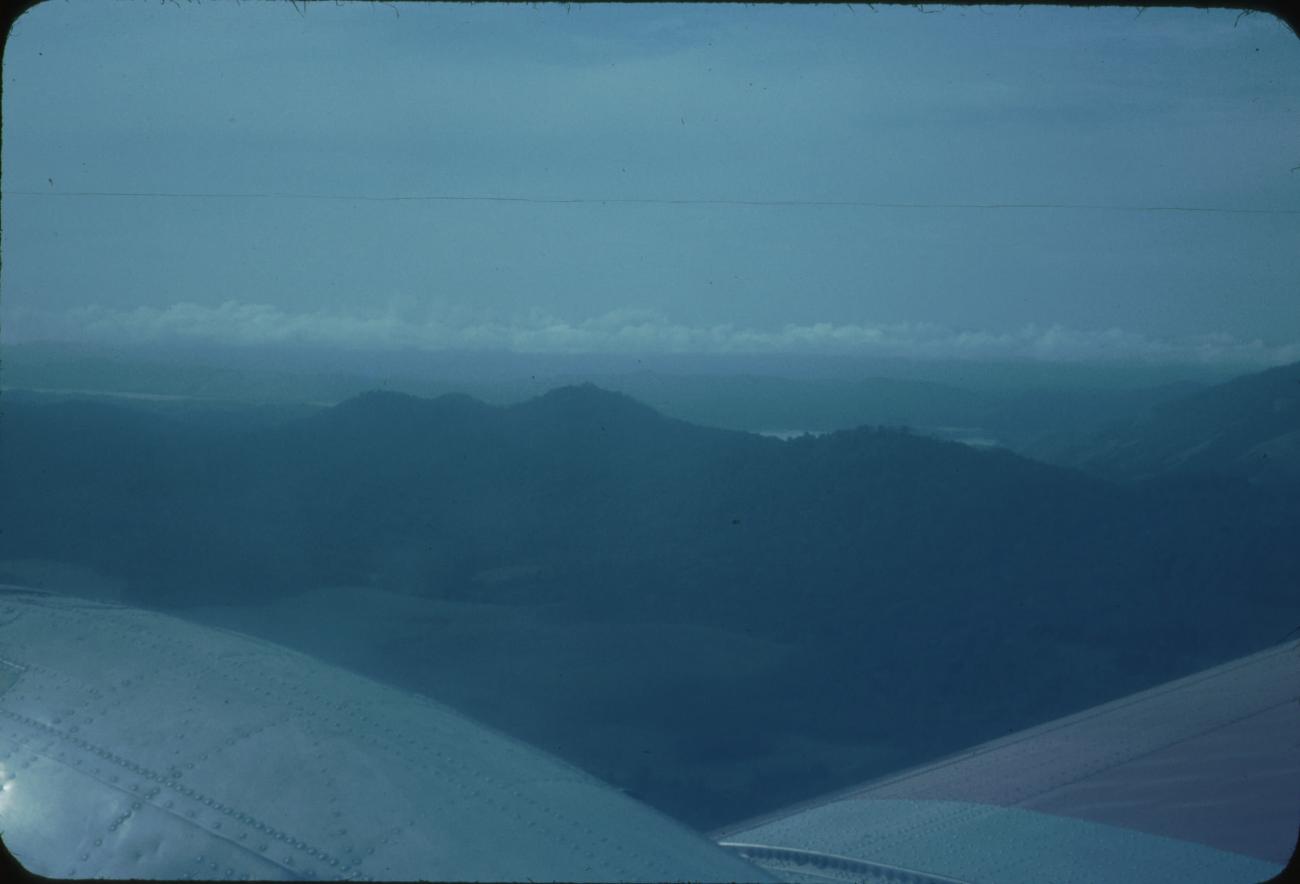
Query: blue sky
[[1073, 107]]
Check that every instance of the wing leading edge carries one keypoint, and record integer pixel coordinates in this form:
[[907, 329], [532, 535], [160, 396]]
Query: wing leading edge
[[1197, 780]]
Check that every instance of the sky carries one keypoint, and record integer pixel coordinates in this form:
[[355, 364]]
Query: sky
[[937, 182]]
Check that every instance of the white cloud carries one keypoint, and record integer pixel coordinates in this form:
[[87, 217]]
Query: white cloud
[[628, 331]]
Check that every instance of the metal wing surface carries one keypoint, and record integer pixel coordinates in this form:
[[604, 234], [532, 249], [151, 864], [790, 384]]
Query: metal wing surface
[[136, 745], [1194, 781]]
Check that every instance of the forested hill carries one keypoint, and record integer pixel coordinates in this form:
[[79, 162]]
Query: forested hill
[[920, 594], [1248, 427]]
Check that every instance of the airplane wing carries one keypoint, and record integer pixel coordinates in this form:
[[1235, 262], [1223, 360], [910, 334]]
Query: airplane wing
[[136, 745], [1194, 781]]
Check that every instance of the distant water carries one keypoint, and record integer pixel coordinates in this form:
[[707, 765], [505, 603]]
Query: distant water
[[980, 442], [111, 394], [973, 436], [976, 437], [791, 434]]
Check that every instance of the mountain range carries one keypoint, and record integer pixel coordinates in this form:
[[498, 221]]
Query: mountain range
[[1248, 427], [711, 618]]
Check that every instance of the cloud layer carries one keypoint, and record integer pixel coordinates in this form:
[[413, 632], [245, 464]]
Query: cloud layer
[[619, 332]]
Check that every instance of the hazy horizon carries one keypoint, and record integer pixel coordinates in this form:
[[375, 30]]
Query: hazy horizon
[[1047, 185]]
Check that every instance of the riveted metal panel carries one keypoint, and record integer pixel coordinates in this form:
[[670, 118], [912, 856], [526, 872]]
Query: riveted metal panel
[[138, 745]]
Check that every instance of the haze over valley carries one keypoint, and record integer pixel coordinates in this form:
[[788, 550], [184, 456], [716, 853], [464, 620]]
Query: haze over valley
[[715, 620]]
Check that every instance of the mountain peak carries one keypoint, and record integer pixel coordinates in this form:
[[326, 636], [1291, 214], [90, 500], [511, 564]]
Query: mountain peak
[[583, 402]]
